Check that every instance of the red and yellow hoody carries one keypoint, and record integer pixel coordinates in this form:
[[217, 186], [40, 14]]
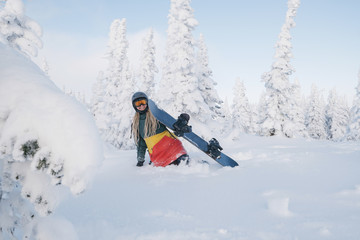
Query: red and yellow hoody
[[163, 147]]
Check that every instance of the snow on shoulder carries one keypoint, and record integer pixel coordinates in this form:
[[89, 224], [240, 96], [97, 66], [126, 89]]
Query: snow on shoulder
[[41, 124]]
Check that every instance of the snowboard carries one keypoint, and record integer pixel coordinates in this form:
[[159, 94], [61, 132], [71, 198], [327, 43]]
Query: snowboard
[[211, 148]]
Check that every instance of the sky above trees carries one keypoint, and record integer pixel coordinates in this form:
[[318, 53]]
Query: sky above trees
[[240, 36]]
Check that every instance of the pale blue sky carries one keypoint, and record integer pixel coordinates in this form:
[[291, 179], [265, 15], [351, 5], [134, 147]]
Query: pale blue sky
[[240, 36]]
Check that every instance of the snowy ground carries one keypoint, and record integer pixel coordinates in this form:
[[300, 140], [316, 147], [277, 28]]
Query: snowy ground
[[283, 189]]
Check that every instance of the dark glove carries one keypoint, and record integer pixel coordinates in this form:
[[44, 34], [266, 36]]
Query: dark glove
[[180, 126], [185, 117]]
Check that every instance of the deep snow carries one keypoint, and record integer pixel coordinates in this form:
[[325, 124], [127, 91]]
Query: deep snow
[[65, 148], [283, 189], [33, 108]]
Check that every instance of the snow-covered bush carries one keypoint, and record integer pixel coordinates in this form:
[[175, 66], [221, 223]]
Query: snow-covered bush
[[47, 140]]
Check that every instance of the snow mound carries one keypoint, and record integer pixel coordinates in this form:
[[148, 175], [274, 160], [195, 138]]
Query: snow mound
[[57, 132], [56, 229], [278, 203]]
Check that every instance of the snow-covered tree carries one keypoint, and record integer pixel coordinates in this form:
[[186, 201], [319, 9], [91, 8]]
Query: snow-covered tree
[[179, 87], [315, 115], [353, 132], [17, 30], [242, 114], [206, 82], [260, 114], [47, 140], [98, 103], [343, 121], [226, 109], [227, 120], [45, 66], [336, 117], [296, 127], [80, 97], [119, 88], [277, 84], [148, 67]]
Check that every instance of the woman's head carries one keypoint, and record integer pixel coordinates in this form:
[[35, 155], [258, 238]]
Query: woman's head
[[140, 102]]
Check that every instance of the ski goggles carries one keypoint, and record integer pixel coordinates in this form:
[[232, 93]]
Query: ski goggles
[[140, 102]]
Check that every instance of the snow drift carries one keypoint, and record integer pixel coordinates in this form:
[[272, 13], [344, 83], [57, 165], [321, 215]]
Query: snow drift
[[46, 139]]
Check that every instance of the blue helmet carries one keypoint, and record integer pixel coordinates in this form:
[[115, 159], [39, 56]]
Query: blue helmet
[[139, 96]]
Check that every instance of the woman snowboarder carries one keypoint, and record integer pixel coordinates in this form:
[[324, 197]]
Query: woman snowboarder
[[164, 148]]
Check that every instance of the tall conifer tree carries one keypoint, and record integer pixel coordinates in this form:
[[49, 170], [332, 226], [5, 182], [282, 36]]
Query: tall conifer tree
[[242, 114], [353, 132], [315, 115], [119, 89], [98, 104], [296, 125], [148, 67], [278, 87], [336, 116], [179, 87], [206, 82]]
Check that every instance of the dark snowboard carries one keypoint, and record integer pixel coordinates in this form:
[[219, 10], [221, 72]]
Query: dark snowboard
[[212, 149]]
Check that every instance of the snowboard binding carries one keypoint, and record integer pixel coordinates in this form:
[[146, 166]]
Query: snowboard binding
[[180, 126], [214, 148]]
